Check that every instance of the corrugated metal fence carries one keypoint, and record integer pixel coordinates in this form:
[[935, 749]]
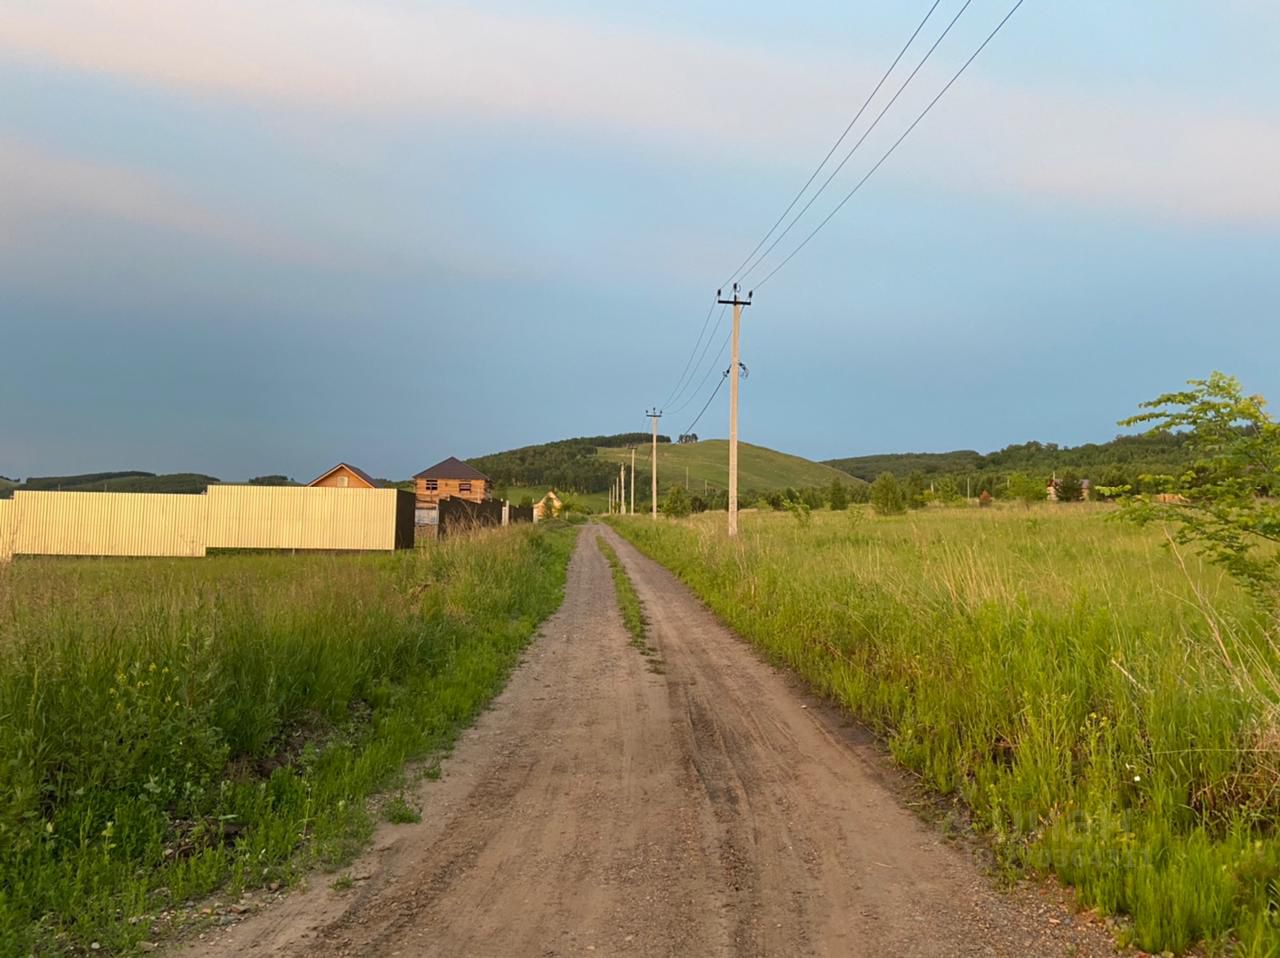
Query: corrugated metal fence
[[226, 517], [6, 529]]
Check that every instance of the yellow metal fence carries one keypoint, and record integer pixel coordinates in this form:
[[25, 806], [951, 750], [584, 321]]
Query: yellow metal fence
[[226, 517]]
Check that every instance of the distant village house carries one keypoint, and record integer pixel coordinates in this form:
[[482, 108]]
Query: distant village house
[[548, 507], [449, 479], [346, 476]]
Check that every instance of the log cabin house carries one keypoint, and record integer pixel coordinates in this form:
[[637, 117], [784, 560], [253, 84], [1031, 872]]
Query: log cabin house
[[346, 476], [451, 478]]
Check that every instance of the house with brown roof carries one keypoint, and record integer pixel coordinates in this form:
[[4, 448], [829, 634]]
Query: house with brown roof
[[451, 478], [346, 476]]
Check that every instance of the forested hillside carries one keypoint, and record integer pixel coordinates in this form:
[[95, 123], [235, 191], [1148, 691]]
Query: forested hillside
[[570, 465], [130, 481], [1120, 461]]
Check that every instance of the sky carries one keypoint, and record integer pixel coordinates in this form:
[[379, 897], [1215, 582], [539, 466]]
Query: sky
[[246, 238]]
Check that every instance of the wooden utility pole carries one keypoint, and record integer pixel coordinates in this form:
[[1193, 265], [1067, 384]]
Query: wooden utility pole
[[737, 303], [654, 415], [633, 480]]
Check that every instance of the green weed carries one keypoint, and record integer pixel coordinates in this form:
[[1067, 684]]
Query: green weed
[[1104, 708], [629, 606], [168, 727], [398, 811]]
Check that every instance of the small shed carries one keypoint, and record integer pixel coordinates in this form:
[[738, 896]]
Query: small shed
[[346, 476]]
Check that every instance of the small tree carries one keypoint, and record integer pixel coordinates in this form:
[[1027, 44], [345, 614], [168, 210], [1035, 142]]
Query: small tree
[[676, 504], [812, 497], [1027, 489], [887, 495], [946, 490], [1217, 503], [838, 497], [1069, 487], [915, 490]]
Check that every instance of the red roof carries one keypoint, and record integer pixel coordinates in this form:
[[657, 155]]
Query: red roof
[[451, 468]]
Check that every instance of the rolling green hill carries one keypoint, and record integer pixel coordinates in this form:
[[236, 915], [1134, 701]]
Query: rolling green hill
[[583, 469], [759, 469], [133, 481]]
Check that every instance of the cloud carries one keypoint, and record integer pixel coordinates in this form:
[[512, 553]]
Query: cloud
[[687, 97], [38, 181], [1138, 153]]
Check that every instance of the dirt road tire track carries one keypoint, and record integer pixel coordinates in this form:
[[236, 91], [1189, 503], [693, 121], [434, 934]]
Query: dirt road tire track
[[707, 807]]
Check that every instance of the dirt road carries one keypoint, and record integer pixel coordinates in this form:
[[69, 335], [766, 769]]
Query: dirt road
[[703, 806]]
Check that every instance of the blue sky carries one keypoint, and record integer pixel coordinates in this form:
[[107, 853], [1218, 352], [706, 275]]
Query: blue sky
[[242, 238]]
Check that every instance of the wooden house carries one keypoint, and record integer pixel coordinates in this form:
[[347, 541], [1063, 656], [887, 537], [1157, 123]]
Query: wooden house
[[547, 507], [450, 479], [346, 476]]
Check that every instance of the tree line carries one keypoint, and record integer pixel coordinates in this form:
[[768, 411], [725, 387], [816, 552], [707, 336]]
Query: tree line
[[569, 465]]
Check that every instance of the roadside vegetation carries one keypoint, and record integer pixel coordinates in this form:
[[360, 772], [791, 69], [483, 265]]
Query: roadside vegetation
[[171, 728], [1102, 694], [629, 606]]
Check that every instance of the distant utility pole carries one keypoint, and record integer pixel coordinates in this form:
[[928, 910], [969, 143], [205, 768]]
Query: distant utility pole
[[622, 488], [654, 415], [737, 302], [633, 480]]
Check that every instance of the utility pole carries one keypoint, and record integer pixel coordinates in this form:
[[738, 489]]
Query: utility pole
[[737, 303], [654, 415], [633, 480], [622, 488]]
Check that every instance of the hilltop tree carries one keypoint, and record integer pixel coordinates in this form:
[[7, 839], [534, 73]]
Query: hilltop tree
[[887, 495]]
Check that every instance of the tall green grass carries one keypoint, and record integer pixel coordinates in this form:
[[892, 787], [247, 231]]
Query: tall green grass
[[170, 727], [1105, 707]]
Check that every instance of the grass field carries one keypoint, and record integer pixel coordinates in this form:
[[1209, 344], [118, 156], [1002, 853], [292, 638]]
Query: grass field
[[168, 727], [759, 469], [1106, 710]]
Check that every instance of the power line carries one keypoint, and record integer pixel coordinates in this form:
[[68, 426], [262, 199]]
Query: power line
[[714, 392], [680, 382], [888, 153], [862, 139], [835, 146], [684, 393], [707, 375]]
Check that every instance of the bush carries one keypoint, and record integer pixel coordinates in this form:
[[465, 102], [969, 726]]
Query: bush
[[1069, 487], [1027, 489], [838, 497], [676, 504], [887, 495]]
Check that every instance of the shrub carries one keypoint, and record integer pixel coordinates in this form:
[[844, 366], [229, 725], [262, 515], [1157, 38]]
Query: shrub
[[1069, 487], [887, 495], [676, 504], [837, 496]]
